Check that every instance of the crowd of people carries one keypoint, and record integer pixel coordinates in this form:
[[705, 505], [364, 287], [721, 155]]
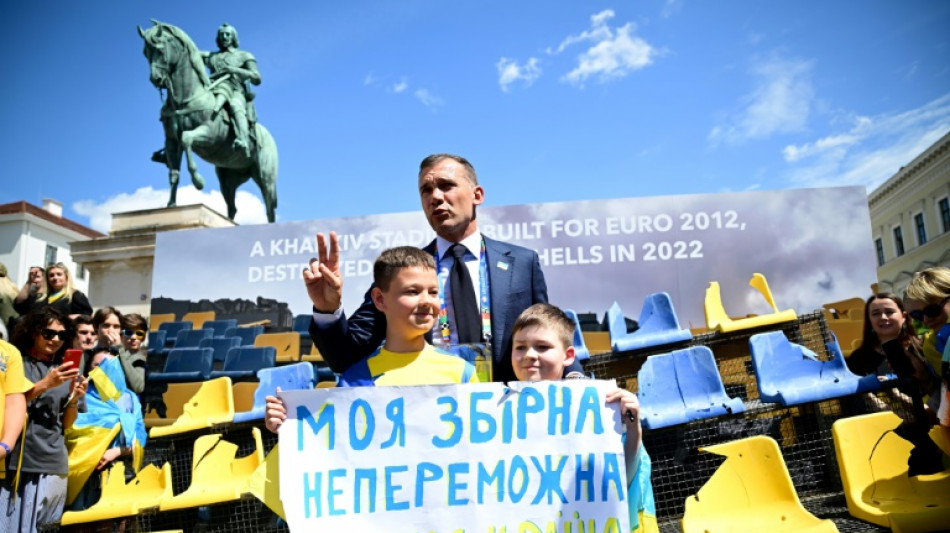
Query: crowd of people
[[50, 398], [463, 293]]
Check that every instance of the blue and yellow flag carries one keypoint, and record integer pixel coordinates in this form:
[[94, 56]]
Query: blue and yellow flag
[[113, 417], [640, 501]]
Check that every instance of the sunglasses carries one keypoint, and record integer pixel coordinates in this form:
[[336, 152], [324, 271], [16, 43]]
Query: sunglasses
[[931, 311], [137, 332], [50, 334]]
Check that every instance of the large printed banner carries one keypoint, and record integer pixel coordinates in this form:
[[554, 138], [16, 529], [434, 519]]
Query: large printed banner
[[529, 457], [813, 245]]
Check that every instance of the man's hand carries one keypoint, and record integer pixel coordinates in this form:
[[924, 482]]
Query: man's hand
[[323, 279]]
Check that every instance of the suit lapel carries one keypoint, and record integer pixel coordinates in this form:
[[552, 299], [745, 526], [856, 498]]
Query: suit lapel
[[501, 267]]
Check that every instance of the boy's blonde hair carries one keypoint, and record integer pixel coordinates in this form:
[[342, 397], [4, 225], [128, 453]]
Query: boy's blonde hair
[[929, 286], [548, 316], [391, 261]]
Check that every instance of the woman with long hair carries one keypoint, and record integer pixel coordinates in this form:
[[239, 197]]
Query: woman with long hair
[[61, 294], [34, 489]]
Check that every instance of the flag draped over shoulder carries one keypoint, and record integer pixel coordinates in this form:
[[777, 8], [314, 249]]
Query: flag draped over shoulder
[[640, 501], [113, 417]]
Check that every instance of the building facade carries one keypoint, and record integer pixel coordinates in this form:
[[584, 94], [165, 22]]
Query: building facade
[[40, 236], [910, 218]]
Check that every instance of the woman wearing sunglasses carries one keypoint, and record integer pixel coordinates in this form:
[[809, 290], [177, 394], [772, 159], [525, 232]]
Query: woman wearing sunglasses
[[928, 301], [133, 352], [36, 496]]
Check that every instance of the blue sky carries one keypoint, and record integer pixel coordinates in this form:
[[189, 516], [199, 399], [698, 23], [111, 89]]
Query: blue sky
[[551, 101]]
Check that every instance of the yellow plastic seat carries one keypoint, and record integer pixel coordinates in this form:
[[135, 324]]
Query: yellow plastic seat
[[314, 356], [750, 491], [597, 341], [243, 394], [216, 475], [119, 499], [198, 318], [264, 483], [175, 399], [718, 320], [873, 464], [848, 332], [287, 345], [212, 404], [158, 319]]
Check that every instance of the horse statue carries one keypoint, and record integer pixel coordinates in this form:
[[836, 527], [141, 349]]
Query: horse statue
[[195, 121]]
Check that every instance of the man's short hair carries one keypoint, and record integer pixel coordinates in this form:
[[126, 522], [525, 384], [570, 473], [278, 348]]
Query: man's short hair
[[134, 321], [434, 159], [548, 316], [391, 261], [81, 320]]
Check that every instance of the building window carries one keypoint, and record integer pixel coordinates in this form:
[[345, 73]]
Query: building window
[[921, 230], [944, 206], [50, 254], [898, 241], [879, 246], [80, 272]]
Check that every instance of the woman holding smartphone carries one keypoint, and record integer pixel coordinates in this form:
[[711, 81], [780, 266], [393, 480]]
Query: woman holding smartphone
[[52, 405]]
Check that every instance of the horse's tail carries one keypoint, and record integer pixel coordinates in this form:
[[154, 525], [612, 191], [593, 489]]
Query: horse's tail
[[267, 163]]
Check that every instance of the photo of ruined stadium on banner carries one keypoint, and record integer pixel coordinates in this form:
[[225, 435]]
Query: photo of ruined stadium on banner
[[813, 246]]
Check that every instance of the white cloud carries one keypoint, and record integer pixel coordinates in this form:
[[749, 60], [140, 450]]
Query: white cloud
[[401, 86], [872, 150], [614, 53], [250, 208], [369, 79], [428, 99], [780, 102], [840, 141], [509, 71]]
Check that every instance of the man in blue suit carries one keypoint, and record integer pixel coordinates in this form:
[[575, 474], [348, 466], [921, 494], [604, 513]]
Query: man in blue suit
[[506, 279]]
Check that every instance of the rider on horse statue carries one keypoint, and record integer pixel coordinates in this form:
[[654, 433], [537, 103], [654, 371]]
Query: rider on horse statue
[[232, 72]]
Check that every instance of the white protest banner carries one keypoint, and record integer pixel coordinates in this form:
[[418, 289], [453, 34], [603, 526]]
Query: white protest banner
[[454, 458]]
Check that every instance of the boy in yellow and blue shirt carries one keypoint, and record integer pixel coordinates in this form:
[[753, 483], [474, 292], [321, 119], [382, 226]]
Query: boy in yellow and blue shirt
[[406, 290], [542, 348]]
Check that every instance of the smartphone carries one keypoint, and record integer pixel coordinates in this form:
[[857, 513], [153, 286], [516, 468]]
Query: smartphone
[[74, 355]]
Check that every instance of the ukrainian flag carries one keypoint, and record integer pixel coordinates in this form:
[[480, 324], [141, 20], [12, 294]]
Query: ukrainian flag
[[640, 502], [113, 417]]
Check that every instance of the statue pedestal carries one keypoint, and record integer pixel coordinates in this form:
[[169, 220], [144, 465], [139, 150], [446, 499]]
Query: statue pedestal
[[120, 265]]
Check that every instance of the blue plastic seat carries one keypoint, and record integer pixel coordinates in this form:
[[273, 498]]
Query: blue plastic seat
[[185, 364], [791, 374], [156, 342], [191, 338], [681, 386], [220, 345], [243, 362], [581, 353], [247, 334], [172, 329], [658, 325], [298, 376], [220, 327], [302, 325]]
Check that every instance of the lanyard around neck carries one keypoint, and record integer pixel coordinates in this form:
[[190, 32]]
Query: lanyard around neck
[[484, 302]]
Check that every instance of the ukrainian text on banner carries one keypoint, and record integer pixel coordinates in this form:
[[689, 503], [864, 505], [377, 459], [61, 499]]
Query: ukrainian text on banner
[[452, 458]]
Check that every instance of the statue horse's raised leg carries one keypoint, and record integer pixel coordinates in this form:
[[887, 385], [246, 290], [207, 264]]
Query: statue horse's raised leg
[[187, 139]]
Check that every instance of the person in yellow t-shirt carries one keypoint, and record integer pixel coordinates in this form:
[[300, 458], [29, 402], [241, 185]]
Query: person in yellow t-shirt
[[13, 386]]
